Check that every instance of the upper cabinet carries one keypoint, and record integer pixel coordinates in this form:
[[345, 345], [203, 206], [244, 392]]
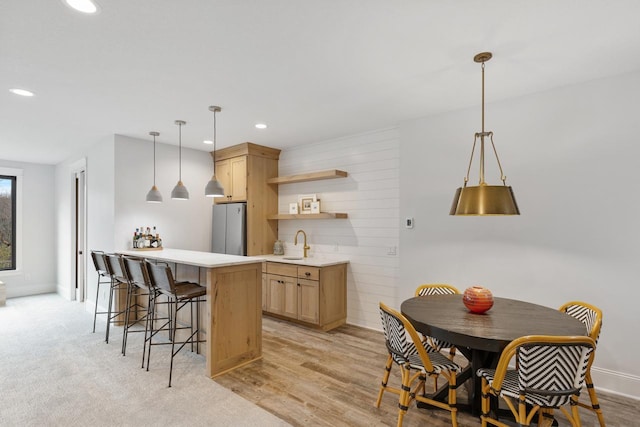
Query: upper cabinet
[[232, 174]]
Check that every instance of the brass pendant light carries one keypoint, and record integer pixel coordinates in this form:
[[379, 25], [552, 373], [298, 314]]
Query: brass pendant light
[[214, 188], [484, 199], [180, 192], [154, 196]]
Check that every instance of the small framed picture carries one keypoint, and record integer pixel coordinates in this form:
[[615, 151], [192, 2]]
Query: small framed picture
[[315, 207], [304, 200], [293, 208], [305, 205]]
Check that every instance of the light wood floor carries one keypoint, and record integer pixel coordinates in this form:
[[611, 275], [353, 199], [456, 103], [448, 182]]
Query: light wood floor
[[313, 378]]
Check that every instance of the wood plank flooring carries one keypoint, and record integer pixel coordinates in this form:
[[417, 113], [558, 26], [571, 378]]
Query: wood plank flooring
[[314, 378]]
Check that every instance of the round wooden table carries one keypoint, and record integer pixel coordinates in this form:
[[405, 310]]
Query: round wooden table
[[482, 337]]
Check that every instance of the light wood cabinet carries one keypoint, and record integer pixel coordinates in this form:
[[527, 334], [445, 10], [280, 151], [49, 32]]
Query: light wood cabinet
[[243, 171], [314, 296], [232, 174]]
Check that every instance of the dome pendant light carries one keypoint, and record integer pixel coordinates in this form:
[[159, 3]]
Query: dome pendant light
[[213, 188], [180, 192], [484, 199], [154, 196]]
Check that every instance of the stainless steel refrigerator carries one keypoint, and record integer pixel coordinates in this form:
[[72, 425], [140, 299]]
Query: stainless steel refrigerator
[[229, 229]]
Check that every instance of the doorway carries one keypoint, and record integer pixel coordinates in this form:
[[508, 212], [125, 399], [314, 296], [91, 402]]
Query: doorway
[[79, 235]]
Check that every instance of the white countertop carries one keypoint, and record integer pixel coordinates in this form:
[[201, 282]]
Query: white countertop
[[313, 261], [212, 260], [197, 258]]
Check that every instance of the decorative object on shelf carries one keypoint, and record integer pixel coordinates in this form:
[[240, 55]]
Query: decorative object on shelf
[[304, 200], [477, 299], [278, 248], [146, 240], [293, 208], [214, 188], [154, 196], [315, 207], [484, 199], [180, 192]]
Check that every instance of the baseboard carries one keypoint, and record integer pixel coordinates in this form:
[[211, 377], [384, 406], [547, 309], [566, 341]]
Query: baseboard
[[25, 290], [616, 382]]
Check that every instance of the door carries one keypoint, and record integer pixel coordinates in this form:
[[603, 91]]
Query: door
[[219, 229], [309, 301], [282, 295], [236, 229], [80, 236]]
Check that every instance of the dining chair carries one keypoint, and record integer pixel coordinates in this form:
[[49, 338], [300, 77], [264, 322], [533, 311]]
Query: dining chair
[[438, 289], [591, 316], [549, 374], [180, 294], [408, 351]]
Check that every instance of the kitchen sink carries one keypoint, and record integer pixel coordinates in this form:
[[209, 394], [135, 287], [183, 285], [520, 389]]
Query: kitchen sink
[[292, 258]]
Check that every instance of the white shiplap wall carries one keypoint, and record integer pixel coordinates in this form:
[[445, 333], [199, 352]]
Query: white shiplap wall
[[370, 195]]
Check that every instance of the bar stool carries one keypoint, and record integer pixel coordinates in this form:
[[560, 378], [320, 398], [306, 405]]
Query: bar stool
[[103, 278], [118, 283], [139, 286], [179, 294]]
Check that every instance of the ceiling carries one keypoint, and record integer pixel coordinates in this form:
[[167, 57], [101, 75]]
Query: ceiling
[[310, 70]]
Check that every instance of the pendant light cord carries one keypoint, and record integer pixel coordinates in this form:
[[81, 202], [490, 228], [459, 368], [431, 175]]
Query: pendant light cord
[[214, 143], [154, 160], [180, 151]]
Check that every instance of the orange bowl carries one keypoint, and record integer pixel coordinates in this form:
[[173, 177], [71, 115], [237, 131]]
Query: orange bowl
[[477, 299]]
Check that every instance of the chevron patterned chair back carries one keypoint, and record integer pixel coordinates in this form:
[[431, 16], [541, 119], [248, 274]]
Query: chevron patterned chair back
[[591, 316], [438, 289], [416, 361], [550, 372]]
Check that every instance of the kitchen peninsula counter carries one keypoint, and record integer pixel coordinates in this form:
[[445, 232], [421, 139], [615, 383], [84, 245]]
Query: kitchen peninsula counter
[[234, 302]]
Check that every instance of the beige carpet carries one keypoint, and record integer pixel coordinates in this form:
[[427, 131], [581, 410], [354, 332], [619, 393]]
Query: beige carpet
[[55, 372]]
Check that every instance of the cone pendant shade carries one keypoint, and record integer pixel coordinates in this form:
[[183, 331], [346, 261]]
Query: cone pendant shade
[[214, 188]]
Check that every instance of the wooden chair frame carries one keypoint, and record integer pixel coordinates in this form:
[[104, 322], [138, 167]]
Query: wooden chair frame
[[521, 410], [413, 384], [594, 333]]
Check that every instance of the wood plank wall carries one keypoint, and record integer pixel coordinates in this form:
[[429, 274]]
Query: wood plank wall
[[370, 195]]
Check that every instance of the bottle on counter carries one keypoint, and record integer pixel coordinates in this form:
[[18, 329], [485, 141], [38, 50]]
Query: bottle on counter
[[135, 239]]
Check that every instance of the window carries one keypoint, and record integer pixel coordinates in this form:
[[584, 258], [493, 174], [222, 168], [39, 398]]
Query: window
[[8, 218]]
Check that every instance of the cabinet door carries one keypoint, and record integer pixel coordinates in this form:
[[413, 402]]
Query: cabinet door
[[282, 295], [238, 173], [223, 175], [309, 301]]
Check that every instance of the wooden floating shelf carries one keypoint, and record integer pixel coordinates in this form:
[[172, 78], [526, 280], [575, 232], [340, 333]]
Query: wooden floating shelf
[[311, 176], [322, 215]]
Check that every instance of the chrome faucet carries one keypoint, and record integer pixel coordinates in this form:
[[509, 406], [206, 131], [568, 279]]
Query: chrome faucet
[[306, 247]]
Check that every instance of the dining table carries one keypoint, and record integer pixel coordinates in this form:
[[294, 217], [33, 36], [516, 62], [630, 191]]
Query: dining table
[[482, 337]]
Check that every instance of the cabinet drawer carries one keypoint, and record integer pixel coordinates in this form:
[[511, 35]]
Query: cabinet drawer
[[311, 273], [282, 269]]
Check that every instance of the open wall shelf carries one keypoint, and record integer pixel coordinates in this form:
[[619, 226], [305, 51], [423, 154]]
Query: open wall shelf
[[311, 176], [321, 215]]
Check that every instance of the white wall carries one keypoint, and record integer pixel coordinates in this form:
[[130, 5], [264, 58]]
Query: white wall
[[571, 155], [36, 273], [369, 195], [119, 172], [182, 224]]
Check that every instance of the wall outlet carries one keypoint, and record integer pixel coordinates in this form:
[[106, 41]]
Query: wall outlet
[[392, 250], [408, 223]]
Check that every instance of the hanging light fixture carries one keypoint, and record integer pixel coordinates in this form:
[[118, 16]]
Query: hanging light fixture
[[484, 199], [180, 192], [213, 188], [154, 196]]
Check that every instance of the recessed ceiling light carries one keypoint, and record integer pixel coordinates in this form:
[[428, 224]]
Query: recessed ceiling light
[[84, 6], [21, 92], [261, 126], [207, 141]]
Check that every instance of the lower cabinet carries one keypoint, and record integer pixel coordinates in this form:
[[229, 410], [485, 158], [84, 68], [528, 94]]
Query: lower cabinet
[[314, 296]]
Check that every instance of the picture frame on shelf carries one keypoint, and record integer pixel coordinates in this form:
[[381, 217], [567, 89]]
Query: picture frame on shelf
[[304, 202], [293, 208], [315, 207]]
